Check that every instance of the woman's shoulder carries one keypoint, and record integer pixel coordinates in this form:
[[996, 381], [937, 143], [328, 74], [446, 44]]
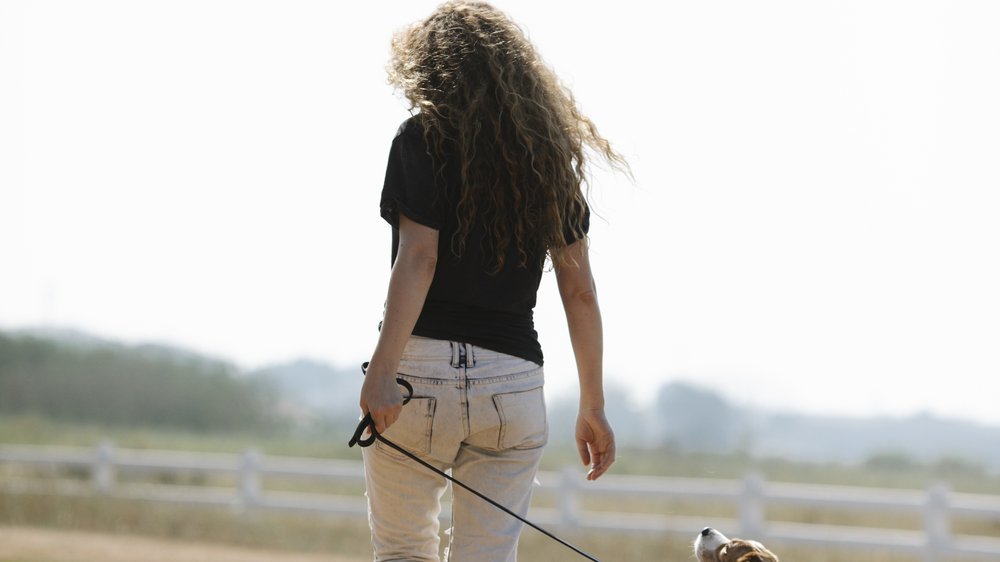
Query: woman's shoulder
[[411, 126]]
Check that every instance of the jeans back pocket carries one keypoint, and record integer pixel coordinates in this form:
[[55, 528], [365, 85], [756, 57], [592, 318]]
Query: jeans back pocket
[[522, 419], [412, 431]]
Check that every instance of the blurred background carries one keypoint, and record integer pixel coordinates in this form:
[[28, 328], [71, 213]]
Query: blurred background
[[799, 288]]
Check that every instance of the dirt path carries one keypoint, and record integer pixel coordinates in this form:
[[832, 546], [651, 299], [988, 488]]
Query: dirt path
[[26, 544]]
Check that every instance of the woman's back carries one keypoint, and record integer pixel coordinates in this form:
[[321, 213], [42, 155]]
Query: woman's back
[[468, 299]]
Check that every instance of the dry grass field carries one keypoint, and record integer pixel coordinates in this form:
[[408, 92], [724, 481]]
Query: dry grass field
[[51, 529], [27, 544]]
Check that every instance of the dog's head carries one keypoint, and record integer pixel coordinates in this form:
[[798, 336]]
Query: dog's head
[[713, 546]]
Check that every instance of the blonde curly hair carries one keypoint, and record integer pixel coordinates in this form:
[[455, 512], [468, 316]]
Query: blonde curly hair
[[486, 98]]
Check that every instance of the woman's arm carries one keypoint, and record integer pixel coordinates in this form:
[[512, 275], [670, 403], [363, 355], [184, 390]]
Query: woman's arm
[[594, 438], [409, 282]]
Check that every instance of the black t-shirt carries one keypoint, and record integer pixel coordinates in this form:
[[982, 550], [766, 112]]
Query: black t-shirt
[[465, 302]]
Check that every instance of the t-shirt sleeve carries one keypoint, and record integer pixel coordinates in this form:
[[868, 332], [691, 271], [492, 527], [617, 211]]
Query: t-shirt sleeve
[[409, 181]]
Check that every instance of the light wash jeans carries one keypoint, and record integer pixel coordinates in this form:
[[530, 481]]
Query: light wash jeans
[[481, 414]]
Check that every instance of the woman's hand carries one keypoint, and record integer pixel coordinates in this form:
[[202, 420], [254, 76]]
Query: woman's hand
[[595, 441], [382, 398]]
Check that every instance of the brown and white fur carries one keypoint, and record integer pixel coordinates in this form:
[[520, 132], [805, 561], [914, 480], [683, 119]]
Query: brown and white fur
[[713, 546]]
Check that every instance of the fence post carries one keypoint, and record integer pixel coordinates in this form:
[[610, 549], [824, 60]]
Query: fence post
[[936, 524], [569, 499], [752, 507], [104, 467], [250, 478]]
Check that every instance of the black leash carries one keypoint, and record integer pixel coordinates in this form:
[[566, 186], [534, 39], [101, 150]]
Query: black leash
[[368, 424]]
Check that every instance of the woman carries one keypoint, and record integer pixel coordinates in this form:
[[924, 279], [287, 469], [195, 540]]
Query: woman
[[482, 184]]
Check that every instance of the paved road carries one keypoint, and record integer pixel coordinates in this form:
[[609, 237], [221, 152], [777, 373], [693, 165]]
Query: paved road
[[25, 544]]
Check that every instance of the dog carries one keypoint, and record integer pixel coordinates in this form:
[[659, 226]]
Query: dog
[[713, 546]]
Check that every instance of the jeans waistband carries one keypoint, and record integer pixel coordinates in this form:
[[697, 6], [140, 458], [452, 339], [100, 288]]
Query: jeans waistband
[[456, 353]]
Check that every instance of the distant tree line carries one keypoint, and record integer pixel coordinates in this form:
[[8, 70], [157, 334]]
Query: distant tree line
[[120, 385], [80, 380]]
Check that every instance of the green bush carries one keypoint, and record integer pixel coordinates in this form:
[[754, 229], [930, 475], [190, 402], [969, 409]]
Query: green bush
[[119, 385]]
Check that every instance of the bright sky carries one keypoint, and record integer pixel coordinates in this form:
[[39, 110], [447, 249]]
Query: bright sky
[[814, 225]]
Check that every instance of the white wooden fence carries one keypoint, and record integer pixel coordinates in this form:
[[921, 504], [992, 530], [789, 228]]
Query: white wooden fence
[[937, 506]]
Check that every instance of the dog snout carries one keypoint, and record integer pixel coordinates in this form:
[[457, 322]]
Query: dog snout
[[706, 531]]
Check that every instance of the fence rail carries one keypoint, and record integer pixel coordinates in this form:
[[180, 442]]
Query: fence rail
[[937, 506]]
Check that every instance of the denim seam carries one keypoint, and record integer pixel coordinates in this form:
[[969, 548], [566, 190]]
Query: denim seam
[[535, 372], [425, 380]]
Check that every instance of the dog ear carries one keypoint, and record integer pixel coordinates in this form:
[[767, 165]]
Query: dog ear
[[757, 557]]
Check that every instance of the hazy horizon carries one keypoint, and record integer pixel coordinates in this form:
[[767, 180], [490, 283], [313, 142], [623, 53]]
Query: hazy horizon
[[72, 335]]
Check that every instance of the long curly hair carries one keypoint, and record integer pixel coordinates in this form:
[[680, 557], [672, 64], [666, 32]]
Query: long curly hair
[[487, 99]]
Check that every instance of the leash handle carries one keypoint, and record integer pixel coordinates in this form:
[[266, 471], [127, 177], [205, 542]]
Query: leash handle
[[368, 424]]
